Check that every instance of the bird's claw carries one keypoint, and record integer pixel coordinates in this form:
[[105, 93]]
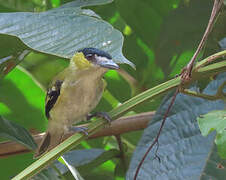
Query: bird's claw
[[76, 129], [102, 115]]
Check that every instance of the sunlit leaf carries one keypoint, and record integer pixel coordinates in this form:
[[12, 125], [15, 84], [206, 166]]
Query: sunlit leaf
[[215, 120]]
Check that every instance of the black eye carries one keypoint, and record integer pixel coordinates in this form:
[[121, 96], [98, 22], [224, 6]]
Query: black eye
[[90, 57]]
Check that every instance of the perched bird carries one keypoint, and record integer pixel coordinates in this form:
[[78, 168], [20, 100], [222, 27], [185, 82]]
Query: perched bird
[[74, 93]]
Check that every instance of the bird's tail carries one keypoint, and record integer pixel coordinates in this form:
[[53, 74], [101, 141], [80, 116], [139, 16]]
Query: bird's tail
[[51, 139]]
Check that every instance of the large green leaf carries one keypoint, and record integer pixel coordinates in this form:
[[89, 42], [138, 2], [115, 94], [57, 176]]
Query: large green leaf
[[89, 163], [86, 159], [15, 132], [63, 31], [184, 152], [215, 120], [22, 102]]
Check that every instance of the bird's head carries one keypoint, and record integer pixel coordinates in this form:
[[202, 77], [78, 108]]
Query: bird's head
[[92, 57]]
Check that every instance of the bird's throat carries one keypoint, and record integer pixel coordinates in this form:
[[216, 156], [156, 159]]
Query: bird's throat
[[80, 61]]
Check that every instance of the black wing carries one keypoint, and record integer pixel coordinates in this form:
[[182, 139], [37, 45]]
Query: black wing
[[51, 96]]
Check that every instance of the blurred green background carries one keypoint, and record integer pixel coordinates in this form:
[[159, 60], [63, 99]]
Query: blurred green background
[[160, 38]]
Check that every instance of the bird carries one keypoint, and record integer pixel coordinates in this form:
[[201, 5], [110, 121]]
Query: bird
[[73, 94]]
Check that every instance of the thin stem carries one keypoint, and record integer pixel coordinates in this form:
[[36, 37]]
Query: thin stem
[[200, 95], [209, 59], [99, 124], [158, 134], [122, 154], [216, 7]]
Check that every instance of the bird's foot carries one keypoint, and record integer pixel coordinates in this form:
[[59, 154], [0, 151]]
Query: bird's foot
[[102, 115], [76, 129]]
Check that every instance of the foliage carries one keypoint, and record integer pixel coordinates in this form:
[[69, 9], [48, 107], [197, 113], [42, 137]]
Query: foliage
[[159, 38], [13, 131], [215, 120], [184, 145]]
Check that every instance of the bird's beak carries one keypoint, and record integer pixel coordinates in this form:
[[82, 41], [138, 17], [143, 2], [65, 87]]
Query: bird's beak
[[108, 63]]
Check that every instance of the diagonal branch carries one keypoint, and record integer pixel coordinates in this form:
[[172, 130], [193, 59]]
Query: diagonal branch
[[186, 72], [117, 127], [75, 139]]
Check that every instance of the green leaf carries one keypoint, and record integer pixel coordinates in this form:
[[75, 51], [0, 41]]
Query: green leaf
[[183, 151], [76, 139], [64, 30], [87, 159], [47, 174], [95, 126], [215, 120], [72, 169], [15, 132], [221, 144]]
